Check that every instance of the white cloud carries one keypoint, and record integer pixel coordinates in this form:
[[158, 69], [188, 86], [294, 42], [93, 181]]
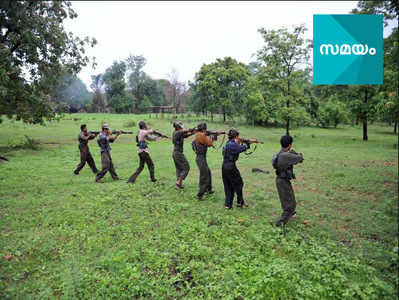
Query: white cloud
[[185, 35]]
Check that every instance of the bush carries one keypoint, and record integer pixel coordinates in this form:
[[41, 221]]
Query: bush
[[27, 143]]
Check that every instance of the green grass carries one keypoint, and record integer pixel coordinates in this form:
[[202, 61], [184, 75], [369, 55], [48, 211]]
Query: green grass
[[69, 237]]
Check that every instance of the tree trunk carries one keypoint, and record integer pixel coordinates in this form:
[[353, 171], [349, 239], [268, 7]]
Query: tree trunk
[[288, 105], [395, 126], [212, 116], [365, 137], [224, 116]]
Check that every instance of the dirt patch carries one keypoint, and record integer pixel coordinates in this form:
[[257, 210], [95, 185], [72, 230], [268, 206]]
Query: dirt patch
[[51, 144]]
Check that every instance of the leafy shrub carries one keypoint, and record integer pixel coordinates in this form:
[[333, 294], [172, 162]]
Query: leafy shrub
[[24, 143]]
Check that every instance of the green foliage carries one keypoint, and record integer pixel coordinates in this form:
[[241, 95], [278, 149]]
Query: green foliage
[[26, 142], [33, 39], [332, 112], [280, 58]]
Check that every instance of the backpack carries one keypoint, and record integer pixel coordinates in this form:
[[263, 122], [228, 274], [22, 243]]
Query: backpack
[[274, 161]]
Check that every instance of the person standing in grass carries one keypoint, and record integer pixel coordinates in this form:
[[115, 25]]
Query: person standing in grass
[[232, 180], [143, 135], [181, 163], [85, 155], [202, 142], [103, 141], [284, 163]]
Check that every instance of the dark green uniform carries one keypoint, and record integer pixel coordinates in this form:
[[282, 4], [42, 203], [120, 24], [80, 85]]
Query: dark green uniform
[[285, 173], [85, 155], [205, 178], [181, 163]]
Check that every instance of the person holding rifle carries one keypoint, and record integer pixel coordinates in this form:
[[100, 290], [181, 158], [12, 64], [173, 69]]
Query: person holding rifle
[[202, 141], [232, 179], [85, 155], [181, 163], [103, 141], [144, 135]]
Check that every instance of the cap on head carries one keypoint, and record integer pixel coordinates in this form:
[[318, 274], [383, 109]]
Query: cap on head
[[83, 126], [178, 125], [142, 125], [232, 133], [201, 126], [105, 126]]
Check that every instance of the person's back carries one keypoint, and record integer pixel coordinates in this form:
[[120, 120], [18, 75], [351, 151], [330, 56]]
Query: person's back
[[283, 162]]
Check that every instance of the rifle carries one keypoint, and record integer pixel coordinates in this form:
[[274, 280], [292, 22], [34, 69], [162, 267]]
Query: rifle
[[118, 132], [214, 134], [160, 134], [94, 132], [248, 142]]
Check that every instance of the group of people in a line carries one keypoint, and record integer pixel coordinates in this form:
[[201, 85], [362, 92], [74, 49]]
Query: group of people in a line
[[282, 162]]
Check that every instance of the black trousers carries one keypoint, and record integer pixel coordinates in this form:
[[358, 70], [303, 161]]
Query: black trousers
[[85, 156], [287, 198], [107, 165], [205, 177], [181, 164], [145, 158], [233, 183]]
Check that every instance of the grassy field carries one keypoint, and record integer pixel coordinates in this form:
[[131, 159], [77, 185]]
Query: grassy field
[[64, 236]]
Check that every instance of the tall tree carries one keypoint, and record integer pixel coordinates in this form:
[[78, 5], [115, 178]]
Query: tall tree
[[176, 88], [284, 52], [34, 49], [114, 78], [136, 78], [222, 85], [390, 10]]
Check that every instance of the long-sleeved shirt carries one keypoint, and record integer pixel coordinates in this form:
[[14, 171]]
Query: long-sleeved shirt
[[178, 140], [103, 142], [202, 142], [142, 136], [84, 137], [232, 151], [285, 163]]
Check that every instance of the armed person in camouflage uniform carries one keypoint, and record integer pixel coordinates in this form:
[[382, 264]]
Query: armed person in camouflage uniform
[[85, 155], [181, 163], [106, 161], [144, 135], [283, 162], [202, 142]]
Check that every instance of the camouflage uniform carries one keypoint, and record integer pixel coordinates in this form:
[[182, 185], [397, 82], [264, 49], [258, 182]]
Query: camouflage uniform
[[106, 160], [85, 155], [205, 178], [181, 163], [285, 172]]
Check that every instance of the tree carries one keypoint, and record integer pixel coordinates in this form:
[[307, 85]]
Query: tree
[[331, 112], [284, 53], [34, 51], [390, 10], [254, 104], [114, 78], [222, 85], [176, 89], [97, 85]]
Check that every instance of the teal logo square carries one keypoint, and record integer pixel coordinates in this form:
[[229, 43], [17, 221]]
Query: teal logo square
[[347, 49]]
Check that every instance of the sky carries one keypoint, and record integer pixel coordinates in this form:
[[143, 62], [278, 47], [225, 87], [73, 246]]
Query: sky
[[185, 35]]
